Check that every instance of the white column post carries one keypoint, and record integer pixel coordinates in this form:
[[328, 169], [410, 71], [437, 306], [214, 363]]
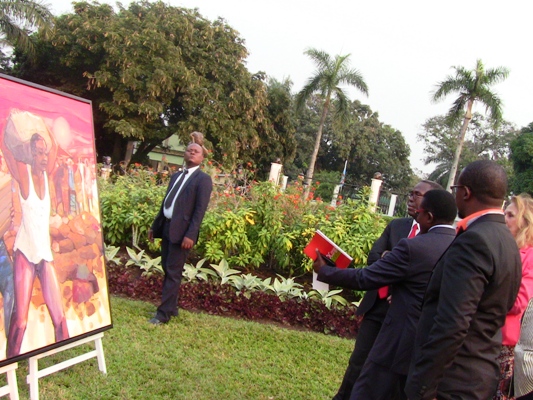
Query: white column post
[[392, 204], [275, 172], [374, 191]]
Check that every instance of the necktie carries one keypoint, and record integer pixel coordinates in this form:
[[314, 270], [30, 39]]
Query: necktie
[[383, 292], [172, 194], [414, 231]]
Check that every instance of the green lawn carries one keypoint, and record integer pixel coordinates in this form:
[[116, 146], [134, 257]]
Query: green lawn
[[198, 356]]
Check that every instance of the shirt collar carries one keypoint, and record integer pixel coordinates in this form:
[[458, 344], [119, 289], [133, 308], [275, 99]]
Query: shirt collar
[[463, 224]]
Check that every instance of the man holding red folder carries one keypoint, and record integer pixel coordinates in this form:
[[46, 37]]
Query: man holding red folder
[[407, 268], [374, 306]]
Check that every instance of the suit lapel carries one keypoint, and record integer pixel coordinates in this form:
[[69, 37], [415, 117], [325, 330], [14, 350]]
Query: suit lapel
[[188, 182]]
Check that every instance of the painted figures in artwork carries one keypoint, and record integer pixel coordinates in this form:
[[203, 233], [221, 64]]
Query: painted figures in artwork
[[32, 250]]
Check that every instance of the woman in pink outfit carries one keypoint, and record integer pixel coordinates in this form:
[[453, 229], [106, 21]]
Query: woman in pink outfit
[[519, 219]]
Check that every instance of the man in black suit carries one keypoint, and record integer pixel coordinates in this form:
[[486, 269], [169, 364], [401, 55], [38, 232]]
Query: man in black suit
[[471, 290], [374, 304], [407, 269], [178, 224]]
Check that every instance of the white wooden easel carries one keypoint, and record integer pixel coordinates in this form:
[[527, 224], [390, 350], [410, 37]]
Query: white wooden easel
[[35, 373], [11, 388]]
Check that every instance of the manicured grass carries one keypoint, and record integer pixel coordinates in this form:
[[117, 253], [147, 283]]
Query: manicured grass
[[198, 356]]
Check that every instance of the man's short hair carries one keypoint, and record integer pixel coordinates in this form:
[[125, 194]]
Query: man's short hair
[[432, 185], [441, 204], [486, 180]]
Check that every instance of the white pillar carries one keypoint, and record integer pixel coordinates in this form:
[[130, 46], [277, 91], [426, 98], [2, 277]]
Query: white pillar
[[374, 193], [284, 180], [392, 204], [275, 172], [335, 195]]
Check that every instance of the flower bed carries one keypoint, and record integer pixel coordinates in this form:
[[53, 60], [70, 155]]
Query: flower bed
[[223, 299]]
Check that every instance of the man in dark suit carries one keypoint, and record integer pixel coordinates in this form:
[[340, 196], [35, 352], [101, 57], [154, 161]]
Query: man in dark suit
[[178, 224], [471, 290], [374, 304], [407, 269]]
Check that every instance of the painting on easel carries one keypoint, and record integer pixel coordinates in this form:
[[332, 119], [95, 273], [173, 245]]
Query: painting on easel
[[53, 284]]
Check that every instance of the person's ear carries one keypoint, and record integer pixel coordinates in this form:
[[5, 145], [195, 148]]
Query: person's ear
[[468, 193]]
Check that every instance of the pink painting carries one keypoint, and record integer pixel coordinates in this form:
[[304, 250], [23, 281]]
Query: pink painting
[[53, 285]]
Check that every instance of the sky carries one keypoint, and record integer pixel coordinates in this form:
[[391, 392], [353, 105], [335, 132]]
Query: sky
[[401, 48]]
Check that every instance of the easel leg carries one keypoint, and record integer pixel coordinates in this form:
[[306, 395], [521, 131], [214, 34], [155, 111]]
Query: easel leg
[[100, 355]]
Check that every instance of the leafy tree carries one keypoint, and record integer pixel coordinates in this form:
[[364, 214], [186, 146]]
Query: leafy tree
[[17, 20], [281, 143], [522, 159], [329, 75], [472, 86], [153, 70], [368, 145], [482, 141]]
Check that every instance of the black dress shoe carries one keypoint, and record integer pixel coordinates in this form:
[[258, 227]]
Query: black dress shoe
[[155, 321]]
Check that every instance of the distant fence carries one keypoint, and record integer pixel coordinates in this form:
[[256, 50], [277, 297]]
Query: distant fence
[[400, 209]]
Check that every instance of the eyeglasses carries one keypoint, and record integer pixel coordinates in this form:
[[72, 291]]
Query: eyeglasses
[[455, 187], [418, 212], [413, 193]]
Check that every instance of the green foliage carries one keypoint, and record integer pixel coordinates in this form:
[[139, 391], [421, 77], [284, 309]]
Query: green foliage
[[129, 205], [197, 272], [147, 264], [329, 297], [271, 228], [522, 159], [153, 70], [111, 252], [224, 272], [482, 141]]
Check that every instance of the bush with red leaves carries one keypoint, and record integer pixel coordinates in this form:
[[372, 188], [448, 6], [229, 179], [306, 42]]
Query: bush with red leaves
[[224, 300]]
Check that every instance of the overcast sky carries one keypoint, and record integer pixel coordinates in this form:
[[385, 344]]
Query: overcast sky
[[402, 48]]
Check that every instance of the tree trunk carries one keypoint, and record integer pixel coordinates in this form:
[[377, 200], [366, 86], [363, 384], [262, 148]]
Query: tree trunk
[[312, 161], [455, 164]]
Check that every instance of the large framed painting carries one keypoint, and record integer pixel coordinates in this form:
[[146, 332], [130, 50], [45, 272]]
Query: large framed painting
[[53, 284]]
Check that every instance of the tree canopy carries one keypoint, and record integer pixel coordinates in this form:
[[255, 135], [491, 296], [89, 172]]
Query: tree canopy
[[331, 73], [482, 141], [522, 159], [18, 18], [153, 70], [472, 86]]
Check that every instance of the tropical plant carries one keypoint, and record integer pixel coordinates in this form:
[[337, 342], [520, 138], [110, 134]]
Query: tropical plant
[[330, 74], [482, 141], [224, 272], [329, 297], [472, 86], [17, 20], [197, 272], [111, 253], [147, 264]]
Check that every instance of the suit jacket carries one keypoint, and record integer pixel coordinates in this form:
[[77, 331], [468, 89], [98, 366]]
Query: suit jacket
[[396, 230], [458, 337], [407, 268], [189, 208]]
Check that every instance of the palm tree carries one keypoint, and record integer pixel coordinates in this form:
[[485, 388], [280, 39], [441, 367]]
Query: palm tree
[[17, 17], [329, 75], [472, 86]]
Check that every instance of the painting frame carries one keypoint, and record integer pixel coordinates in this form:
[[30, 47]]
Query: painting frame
[[48, 163]]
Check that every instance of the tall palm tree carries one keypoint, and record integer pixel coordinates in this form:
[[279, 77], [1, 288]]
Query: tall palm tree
[[472, 86], [18, 17], [329, 75]]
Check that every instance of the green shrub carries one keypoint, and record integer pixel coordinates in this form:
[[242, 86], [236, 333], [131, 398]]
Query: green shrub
[[129, 206]]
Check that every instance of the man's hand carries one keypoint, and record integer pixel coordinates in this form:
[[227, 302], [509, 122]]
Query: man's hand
[[319, 262], [187, 243], [150, 235]]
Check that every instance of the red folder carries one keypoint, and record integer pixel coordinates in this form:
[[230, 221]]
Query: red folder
[[327, 248]]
